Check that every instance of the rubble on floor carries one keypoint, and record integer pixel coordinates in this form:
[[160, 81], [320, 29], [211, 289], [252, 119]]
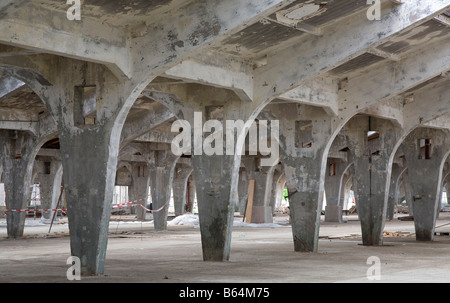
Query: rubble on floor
[[401, 209]]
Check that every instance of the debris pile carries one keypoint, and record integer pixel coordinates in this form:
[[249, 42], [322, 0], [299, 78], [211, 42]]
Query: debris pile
[[406, 218], [401, 209], [396, 234], [352, 210]]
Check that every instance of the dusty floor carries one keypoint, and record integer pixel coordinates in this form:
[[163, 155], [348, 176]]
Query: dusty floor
[[136, 253]]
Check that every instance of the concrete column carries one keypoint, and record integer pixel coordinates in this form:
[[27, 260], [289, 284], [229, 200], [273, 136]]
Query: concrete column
[[138, 190], [89, 143], [216, 168], [18, 151], [334, 176], [190, 194], [50, 179], [216, 201], [2, 186], [215, 156], [89, 164], [347, 184], [408, 192], [394, 189], [278, 182], [426, 151], [263, 176], [161, 180], [373, 167], [180, 188], [305, 134], [242, 190]]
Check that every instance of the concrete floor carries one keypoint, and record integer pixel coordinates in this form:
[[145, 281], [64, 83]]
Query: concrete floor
[[136, 253]]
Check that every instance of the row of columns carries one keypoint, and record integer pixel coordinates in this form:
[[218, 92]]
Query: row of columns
[[368, 167], [306, 135], [163, 178]]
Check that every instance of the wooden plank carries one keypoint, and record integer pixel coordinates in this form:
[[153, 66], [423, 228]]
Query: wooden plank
[[249, 209]]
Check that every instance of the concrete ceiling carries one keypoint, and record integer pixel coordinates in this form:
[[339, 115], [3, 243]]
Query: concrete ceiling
[[250, 46]]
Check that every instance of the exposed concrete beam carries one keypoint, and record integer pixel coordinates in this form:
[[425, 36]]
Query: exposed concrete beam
[[7, 51], [8, 85], [391, 109], [47, 126], [219, 71], [444, 19], [12, 114], [321, 92], [157, 136], [286, 68], [431, 106], [88, 39], [339, 143], [390, 79], [442, 122], [303, 27], [132, 158], [383, 54], [142, 124], [194, 26], [31, 127], [48, 152], [338, 155]]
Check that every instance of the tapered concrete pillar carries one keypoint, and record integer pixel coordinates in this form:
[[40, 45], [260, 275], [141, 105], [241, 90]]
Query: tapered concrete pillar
[[336, 168], [219, 123], [216, 203], [161, 180], [372, 142], [2, 185], [139, 188], [278, 182], [305, 132], [89, 145], [191, 194], [406, 187], [50, 179], [426, 151], [242, 190], [18, 151], [394, 189], [180, 188], [263, 176], [89, 186]]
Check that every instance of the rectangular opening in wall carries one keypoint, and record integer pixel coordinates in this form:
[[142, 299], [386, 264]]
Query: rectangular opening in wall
[[85, 105], [141, 171], [424, 149], [47, 168], [303, 134], [374, 143], [332, 169]]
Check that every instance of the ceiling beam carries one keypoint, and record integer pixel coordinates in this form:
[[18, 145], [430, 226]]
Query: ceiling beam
[[287, 67]]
